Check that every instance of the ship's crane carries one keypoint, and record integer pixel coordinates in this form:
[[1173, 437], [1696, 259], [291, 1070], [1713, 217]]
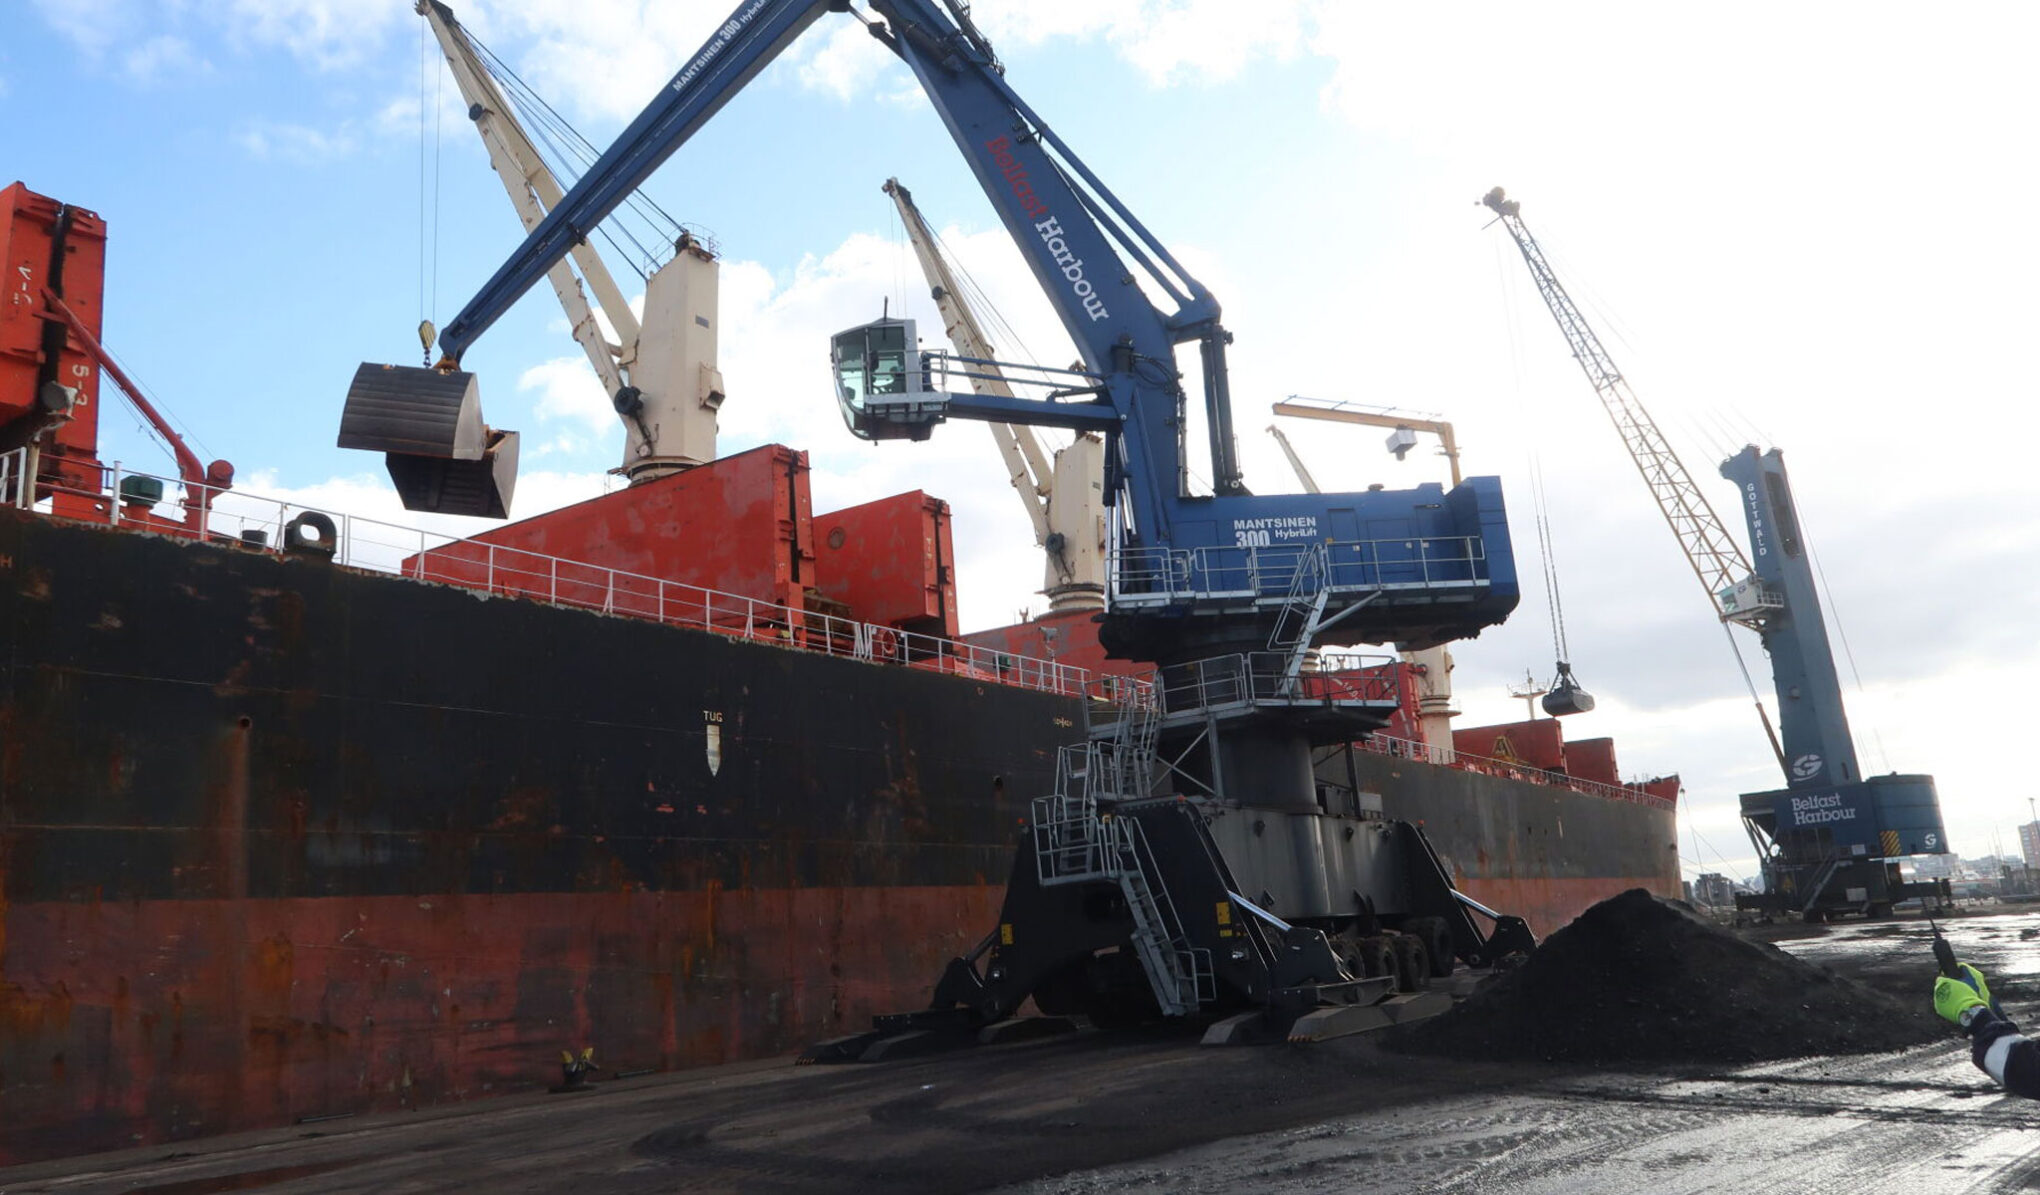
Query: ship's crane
[[1064, 494], [1139, 888], [1830, 839], [660, 373], [1309, 483]]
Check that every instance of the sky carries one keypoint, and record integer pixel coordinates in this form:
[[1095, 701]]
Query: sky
[[1801, 226]]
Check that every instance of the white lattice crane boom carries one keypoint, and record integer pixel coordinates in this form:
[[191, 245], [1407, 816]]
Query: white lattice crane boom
[[1717, 558]]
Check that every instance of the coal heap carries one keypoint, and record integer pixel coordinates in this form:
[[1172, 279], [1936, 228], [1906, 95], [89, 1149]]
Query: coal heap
[[1638, 979]]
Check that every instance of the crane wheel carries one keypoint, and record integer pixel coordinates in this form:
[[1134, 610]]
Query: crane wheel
[[1437, 939], [1376, 957], [1412, 963]]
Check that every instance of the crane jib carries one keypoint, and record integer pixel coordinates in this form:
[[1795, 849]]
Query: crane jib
[[1049, 229]]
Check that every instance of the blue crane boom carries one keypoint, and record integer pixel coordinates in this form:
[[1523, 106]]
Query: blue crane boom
[[1417, 566]]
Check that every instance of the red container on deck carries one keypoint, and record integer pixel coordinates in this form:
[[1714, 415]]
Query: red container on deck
[[890, 562], [1070, 637], [43, 243], [1539, 743], [1592, 759], [740, 526]]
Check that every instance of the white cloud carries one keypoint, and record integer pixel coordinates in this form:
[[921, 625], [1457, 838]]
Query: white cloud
[[302, 144], [162, 58], [1168, 41], [93, 25], [846, 63], [327, 34], [568, 390]]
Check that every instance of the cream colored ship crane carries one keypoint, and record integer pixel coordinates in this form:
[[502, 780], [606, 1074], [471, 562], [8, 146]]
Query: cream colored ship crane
[[1064, 494], [660, 373], [1433, 664]]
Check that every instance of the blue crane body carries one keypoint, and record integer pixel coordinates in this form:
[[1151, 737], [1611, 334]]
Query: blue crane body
[[1829, 841], [1832, 832], [1138, 888], [1417, 566]]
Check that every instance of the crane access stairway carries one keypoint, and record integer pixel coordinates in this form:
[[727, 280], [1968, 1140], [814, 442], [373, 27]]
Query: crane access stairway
[[1129, 897], [1076, 843]]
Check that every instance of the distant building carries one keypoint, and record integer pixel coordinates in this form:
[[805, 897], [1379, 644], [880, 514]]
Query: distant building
[[1714, 890], [2029, 843], [1931, 867]]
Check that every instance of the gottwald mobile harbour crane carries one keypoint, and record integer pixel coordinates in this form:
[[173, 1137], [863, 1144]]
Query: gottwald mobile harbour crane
[[1188, 864], [1830, 841]]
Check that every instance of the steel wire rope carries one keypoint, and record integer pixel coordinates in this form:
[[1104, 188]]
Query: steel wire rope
[[980, 301], [1554, 607], [1552, 601], [1742, 665], [164, 409], [558, 161], [587, 151], [568, 145], [1834, 614], [438, 156], [424, 313]]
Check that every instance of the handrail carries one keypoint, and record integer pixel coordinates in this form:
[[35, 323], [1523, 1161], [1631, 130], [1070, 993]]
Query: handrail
[[1382, 744], [258, 523]]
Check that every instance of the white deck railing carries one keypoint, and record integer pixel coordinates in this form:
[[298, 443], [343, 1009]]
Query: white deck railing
[[258, 523]]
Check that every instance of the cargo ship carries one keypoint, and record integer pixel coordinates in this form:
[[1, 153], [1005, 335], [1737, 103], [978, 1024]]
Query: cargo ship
[[303, 815]]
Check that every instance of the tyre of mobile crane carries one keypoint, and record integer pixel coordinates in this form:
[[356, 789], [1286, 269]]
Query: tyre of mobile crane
[[1437, 939], [1412, 963]]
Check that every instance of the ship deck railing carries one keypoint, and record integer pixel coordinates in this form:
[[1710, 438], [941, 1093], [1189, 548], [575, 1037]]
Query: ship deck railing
[[254, 522], [1466, 761]]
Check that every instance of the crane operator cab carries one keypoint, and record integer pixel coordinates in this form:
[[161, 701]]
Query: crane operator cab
[[882, 382]]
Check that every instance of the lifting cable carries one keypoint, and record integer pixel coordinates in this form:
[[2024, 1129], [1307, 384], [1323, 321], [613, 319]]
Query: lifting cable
[[981, 302], [1552, 601], [424, 312], [569, 154]]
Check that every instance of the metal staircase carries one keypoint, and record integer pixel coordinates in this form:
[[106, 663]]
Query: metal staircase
[[1296, 624], [1075, 842]]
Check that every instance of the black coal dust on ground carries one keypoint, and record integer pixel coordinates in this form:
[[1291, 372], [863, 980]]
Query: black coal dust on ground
[[1637, 979]]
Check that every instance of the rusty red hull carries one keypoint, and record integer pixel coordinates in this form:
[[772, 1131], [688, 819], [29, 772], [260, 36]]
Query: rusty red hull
[[141, 1021], [281, 840]]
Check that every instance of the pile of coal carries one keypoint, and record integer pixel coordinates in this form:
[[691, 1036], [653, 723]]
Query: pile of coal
[[1638, 979]]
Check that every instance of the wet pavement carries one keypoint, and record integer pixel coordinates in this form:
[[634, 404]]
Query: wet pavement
[[1922, 1121], [1096, 1114]]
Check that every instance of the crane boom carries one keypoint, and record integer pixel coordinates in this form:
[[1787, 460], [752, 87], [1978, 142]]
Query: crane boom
[[1310, 484], [1064, 496], [1716, 557], [1187, 572], [660, 375]]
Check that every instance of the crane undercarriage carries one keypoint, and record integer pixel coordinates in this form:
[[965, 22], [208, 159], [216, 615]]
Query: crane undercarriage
[[1180, 871]]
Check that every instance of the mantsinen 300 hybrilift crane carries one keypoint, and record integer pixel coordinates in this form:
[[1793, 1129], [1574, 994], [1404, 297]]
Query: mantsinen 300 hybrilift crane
[[1188, 863], [1064, 494], [1830, 840]]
